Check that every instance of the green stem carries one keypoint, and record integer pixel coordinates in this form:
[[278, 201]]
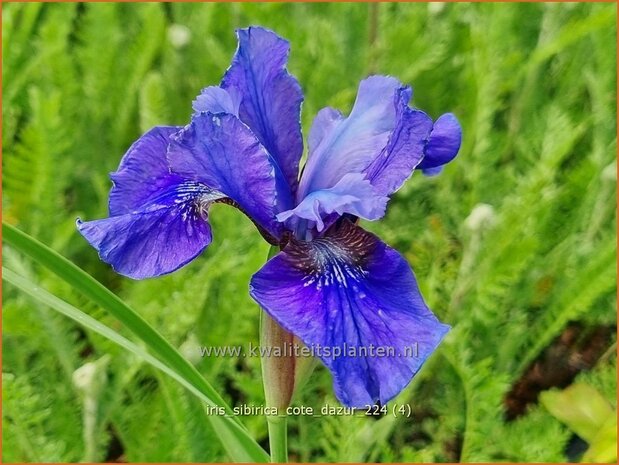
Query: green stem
[[278, 437]]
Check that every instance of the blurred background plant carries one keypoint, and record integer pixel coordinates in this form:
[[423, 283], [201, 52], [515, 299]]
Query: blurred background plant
[[514, 244]]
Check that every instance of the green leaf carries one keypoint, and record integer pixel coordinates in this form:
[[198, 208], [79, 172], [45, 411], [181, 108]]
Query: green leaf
[[581, 407], [231, 432], [603, 447]]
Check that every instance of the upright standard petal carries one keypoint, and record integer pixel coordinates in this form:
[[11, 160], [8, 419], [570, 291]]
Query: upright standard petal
[[443, 143], [341, 145], [157, 219], [348, 293], [270, 97], [219, 151]]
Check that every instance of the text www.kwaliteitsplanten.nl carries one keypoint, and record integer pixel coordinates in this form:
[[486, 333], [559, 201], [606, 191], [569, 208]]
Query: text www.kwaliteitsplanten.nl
[[315, 350]]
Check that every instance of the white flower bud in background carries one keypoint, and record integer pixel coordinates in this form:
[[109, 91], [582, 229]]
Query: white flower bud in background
[[434, 8], [609, 174], [190, 349], [179, 35], [90, 379], [482, 215], [84, 377]]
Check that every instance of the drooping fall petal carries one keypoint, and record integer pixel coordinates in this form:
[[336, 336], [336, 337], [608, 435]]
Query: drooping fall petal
[[346, 290]]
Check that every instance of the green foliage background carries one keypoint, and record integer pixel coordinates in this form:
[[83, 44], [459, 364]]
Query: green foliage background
[[513, 241]]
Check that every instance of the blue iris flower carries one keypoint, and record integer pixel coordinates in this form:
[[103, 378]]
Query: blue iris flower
[[333, 284]]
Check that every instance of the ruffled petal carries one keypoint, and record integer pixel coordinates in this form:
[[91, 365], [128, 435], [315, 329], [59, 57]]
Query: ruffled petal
[[169, 230], [341, 145], [270, 97], [404, 151], [143, 172], [353, 194], [219, 151], [349, 291], [217, 100], [443, 143]]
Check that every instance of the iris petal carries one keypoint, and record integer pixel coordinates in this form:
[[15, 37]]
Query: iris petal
[[217, 100], [382, 139], [404, 151], [270, 97], [143, 172], [221, 152], [170, 230], [324, 124], [341, 145], [157, 219], [443, 143], [352, 194], [350, 290]]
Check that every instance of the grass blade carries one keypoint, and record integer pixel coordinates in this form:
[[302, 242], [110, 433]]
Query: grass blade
[[232, 433]]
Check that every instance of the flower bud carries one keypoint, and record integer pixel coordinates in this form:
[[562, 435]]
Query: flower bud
[[179, 35], [481, 216], [278, 363], [434, 8], [610, 172], [90, 380]]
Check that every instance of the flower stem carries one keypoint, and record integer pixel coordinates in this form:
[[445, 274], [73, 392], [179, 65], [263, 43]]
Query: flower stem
[[278, 437]]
